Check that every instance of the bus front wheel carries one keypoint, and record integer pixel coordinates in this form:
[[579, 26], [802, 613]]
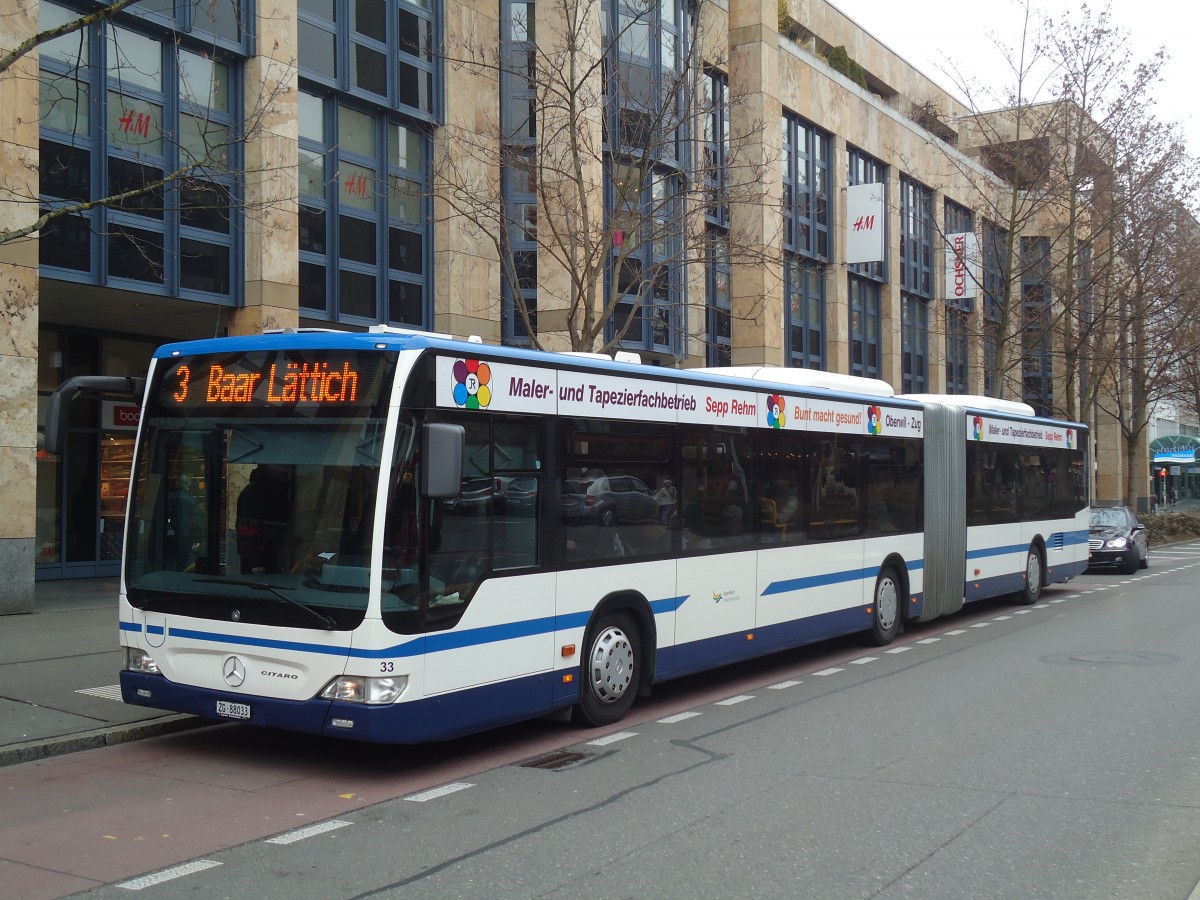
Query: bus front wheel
[[611, 671], [885, 624], [1033, 578]]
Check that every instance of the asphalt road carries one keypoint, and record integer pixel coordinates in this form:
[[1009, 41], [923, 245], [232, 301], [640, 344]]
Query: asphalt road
[[1024, 752]]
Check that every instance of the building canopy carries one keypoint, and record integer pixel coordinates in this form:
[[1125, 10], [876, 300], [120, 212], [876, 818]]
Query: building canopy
[[1175, 448]]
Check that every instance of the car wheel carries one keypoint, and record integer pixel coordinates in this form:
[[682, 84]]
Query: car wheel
[[1033, 578], [612, 671], [1145, 563], [885, 624]]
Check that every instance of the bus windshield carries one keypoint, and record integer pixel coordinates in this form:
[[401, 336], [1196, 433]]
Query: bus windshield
[[254, 488]]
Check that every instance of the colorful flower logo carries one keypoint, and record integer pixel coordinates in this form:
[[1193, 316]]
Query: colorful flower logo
[[1070, 438], [874, 420], [716, 596], [471, 383], [977, 428], [775, 411]]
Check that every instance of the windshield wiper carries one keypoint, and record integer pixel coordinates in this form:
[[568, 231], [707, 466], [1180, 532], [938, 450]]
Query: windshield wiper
[[325, 620]]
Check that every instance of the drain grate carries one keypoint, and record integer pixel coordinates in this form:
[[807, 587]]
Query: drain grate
[[558, 759]]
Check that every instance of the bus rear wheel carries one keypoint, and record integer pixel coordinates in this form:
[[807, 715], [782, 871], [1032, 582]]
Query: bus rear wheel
[[612, 670], [1033, 578], [885, 624]]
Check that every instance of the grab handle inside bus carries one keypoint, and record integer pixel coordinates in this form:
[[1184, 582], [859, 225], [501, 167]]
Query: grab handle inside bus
[[442, 446]]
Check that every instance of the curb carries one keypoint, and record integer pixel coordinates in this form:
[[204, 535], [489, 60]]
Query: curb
[[30, 751]]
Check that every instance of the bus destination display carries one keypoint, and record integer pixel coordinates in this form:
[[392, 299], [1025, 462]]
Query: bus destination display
[[317, 382]]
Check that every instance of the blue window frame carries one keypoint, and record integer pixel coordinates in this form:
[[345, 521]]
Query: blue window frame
[[364, 223], [866, 346], [861, 168], [995, 242], [518, 281], [381, 49], [806, 188], [645, 259], [518, 170], [124, 106], [916, 238], [719, 299], [646, 42], [715, 110], [914, 342], [804, 288], [225, 23], [1037, 371], [916, 282], [645, 131]]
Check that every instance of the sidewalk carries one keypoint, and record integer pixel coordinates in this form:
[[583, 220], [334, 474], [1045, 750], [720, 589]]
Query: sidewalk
[[58, 676]]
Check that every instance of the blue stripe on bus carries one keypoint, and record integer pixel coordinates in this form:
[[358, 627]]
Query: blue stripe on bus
[[813, 581], [429, 643], [1069, 538]]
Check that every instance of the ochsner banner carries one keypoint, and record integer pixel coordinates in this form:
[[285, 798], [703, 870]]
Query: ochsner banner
[[1028, 434], [962, 266]]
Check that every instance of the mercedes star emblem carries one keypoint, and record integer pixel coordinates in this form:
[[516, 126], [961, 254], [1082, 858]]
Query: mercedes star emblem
[[234, 671]]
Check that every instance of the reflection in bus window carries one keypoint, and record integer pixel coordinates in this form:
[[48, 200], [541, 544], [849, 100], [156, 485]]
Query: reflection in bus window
[[613, 500]]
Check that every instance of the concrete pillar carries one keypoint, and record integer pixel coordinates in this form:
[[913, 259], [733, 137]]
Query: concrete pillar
[[558, 295], [272, 200], [756, 227], [837, 281], [18, 313], [467, 263]]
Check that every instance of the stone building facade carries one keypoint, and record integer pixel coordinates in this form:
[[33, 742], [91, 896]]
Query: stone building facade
[[313, 134]]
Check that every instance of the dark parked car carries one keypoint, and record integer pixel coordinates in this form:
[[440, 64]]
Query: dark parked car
[[520, 497], [475, 498], [1117, 538], [607, 499]]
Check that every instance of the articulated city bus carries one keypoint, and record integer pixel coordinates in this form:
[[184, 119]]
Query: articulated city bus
[[401, 537]]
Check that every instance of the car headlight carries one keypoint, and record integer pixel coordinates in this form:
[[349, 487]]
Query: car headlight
[[1117, 543], [362, 689], [140, 661]]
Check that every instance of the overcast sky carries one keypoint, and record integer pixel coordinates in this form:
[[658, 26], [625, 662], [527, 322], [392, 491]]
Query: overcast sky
[[933, 34]]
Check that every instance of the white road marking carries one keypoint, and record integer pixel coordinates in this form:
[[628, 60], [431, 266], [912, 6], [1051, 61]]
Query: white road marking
[[442, 791], [679, 717], [311, 831], [145, 881], [611, 738], [108, 692], [731, 701]]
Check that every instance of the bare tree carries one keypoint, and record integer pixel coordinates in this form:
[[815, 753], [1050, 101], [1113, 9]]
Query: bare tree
[[1157, 281], [593, 180], [203, 146], [1055, 208]]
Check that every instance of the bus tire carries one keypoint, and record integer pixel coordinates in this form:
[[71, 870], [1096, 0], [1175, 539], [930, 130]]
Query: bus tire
[[612, 670], [1033, 578], [885, 622]]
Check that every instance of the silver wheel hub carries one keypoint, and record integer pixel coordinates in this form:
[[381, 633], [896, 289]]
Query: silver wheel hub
[[887, 603], [1033, 574], [611, 665]]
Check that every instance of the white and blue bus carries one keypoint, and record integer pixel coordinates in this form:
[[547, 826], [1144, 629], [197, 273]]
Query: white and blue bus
[[400, 537]]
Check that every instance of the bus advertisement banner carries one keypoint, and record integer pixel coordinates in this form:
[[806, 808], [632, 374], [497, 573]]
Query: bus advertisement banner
[[477, 384], [1028, 434]]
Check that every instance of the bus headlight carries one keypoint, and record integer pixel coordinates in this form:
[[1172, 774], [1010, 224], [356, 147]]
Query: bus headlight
[[140, 661], [1117, 543], [361, 689]]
